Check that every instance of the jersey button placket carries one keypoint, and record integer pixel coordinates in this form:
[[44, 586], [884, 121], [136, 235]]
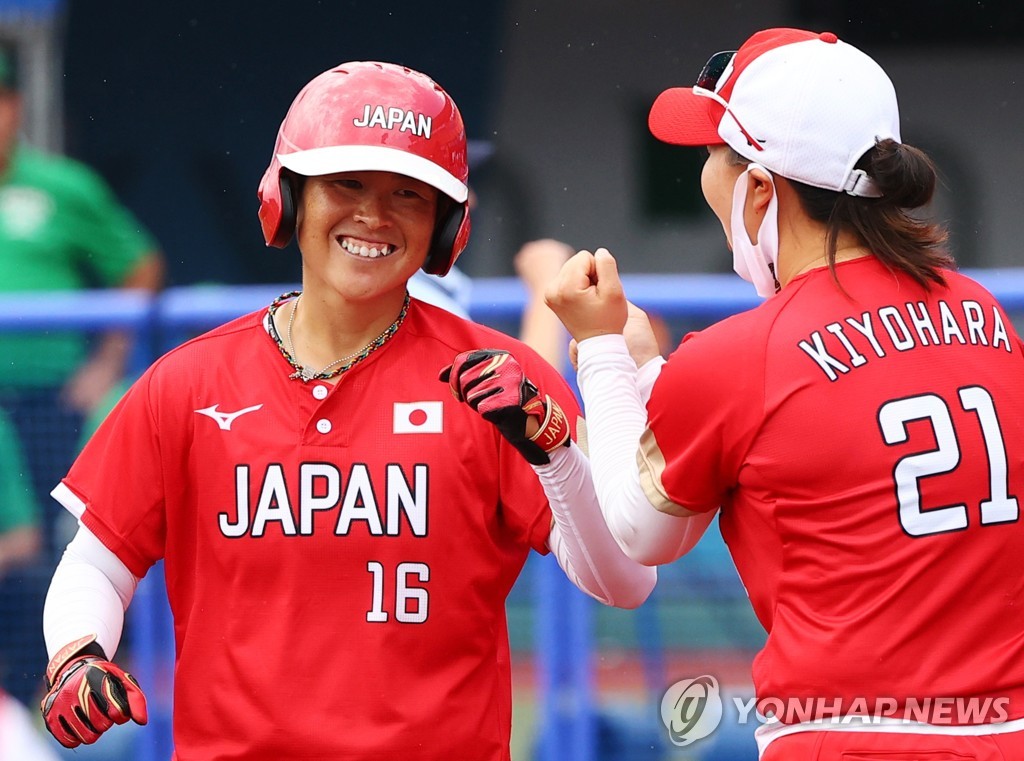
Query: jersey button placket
[[322, 403]]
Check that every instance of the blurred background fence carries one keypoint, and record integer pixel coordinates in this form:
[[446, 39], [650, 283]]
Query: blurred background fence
[[588, 680]]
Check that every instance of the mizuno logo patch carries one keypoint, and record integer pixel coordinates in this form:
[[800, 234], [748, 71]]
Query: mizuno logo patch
[[225, 419]]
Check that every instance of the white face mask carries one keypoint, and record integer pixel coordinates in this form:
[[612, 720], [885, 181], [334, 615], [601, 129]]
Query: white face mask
[[758, 262]]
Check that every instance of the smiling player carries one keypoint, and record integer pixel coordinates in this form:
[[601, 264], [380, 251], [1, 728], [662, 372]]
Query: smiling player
[[338, 533]]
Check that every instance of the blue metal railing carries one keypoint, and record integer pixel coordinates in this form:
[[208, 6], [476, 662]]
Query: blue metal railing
[[563, 622]]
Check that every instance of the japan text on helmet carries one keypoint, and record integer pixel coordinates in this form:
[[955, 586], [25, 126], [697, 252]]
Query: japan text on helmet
[[370, 116]]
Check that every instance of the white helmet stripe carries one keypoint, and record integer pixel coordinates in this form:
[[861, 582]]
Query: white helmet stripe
[[367, 158]]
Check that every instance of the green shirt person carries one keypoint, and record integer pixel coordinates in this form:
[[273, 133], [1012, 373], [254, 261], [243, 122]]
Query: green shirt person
[[61, 228]]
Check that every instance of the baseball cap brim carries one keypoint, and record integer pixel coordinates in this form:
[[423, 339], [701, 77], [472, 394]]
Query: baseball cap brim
[[332, 159], [681, 117]]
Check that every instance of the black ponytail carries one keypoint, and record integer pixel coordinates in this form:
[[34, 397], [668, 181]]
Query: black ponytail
[[906, 177]]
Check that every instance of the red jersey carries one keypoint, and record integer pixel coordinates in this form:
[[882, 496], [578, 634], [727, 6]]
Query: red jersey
[[867, 452], [337, 557]]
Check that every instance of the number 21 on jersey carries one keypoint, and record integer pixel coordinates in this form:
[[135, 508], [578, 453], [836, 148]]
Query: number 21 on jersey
[[999, 507]]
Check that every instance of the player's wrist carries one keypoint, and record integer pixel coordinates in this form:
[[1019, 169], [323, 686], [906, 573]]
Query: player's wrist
[[553, 430], [75, 650]]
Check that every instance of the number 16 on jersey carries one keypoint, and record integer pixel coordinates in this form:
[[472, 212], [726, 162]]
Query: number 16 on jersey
[[412, 603]]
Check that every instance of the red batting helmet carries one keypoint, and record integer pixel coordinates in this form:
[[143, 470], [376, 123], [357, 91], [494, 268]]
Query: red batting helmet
[[370, 116]]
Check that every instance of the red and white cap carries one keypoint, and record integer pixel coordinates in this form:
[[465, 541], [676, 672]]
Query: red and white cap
[[804, 105]]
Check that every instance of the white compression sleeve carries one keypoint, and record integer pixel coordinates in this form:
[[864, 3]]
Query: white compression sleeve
[[89, 593], [616, 418], [646, 375], [580, 539]]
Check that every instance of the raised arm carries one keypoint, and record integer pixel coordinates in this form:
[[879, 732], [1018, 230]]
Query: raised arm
[[492, 383], [589, 299]]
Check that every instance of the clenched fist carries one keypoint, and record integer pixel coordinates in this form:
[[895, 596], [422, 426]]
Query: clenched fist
[[587, 296], [492, 382], [87, 694]]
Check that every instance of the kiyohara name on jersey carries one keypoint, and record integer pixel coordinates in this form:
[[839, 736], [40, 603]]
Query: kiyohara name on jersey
[[379, 508], [841, 346]]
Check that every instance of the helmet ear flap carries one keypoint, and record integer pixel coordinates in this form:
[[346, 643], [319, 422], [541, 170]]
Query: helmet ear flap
[[445, 248], [288, 186]]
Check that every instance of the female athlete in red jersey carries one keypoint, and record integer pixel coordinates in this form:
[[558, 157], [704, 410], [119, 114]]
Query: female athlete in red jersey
[[860, 433], [339, 533]]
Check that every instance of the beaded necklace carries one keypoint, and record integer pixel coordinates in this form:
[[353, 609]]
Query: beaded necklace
[[307, 374]]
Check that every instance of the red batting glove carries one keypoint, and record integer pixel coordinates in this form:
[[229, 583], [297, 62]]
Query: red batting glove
[[87, 694], [492, 382]]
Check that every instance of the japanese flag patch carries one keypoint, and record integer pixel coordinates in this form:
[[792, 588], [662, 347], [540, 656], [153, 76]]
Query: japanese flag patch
[[418, 417]]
